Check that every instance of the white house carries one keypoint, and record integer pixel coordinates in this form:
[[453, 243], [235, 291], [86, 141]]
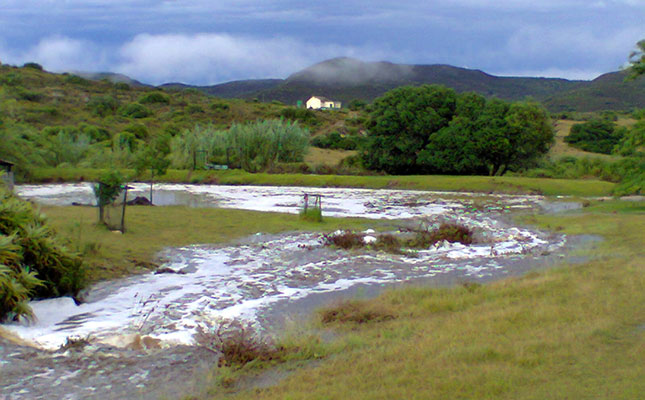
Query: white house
[[319, 102]]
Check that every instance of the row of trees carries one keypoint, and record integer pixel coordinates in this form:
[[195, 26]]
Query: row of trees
[[432, 129]]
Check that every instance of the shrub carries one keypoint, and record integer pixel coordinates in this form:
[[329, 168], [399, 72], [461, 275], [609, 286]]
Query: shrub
[[345, 240], [134, 110], [138, 130], [337, 141], [33, 263], [447, 231], [596, 135], [238, 344], [302, 115], [102, 106], [355, 311], [155, 98]]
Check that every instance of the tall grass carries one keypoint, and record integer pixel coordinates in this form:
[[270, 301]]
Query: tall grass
[[253, 147]]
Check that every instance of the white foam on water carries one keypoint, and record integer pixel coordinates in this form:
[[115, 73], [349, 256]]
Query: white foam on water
[[240, 281]]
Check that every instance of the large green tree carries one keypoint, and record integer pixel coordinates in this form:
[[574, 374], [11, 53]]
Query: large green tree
[[401, 123], [431, 129]]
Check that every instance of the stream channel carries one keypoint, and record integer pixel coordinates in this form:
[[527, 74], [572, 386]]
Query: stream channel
[[141, 330]]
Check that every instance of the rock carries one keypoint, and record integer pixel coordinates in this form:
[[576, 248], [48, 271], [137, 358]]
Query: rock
[[139, 201], [167, 270]]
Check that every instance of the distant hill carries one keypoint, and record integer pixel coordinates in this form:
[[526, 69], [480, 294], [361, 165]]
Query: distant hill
[[346, 79], [234, 89], [111, 77]]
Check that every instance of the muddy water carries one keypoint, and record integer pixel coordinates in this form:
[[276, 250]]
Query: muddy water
[[259, 280]]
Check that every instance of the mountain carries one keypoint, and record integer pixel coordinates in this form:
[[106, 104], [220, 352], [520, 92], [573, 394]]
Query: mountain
[[111, 77], [346, 79], [244, 88]]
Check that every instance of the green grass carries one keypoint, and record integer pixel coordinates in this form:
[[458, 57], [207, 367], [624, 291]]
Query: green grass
[[503, 184], [150, 229], [571, 332]]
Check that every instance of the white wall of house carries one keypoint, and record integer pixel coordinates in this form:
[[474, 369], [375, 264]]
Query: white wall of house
[[314, 102], [317, 103]]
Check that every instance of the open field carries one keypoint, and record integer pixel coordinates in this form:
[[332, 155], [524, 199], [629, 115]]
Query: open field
[[498, 184], [574, 331], [318, 156], [150, 229]]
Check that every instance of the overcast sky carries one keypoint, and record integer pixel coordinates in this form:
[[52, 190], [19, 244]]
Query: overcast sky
[[213, 41]]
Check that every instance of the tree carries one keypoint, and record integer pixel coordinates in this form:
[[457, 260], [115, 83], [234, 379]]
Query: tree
[[401, 124], [107, 189], [154, 158], [637, 60]]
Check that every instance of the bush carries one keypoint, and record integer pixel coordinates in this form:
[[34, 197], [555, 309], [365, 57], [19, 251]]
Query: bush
[[337, 141], [155, 98], [302, 115], [102, 106], [596, 135], [345, 240], [134, 110], [355, 311], [238, 344], [33, 263], [138, 130], [449, 232]]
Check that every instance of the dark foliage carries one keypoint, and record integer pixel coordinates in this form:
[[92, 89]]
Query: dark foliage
[[597, 136], [154, 98], [337, 141], [450, 232], [134, 110], [431, 129], [345, 240]]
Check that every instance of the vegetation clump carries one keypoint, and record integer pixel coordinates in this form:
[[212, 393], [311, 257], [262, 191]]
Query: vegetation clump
[[421, 239], [597, 136], [345, 240], [154, 98], [33, 262], [450, 232], [355, 311], [337, 141], [238, 344]]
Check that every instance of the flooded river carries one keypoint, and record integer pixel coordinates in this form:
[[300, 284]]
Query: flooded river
[[261, 279]]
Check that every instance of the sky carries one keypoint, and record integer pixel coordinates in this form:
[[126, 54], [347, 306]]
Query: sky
[[204, 42]]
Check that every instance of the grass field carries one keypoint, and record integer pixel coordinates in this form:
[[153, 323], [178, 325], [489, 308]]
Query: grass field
[[498, 184], [571, 332], [318, 156], [150, 229]]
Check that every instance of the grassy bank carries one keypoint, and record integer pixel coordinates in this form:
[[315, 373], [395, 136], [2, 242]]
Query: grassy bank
[[503, 184], [576, 331], [150, 229]]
